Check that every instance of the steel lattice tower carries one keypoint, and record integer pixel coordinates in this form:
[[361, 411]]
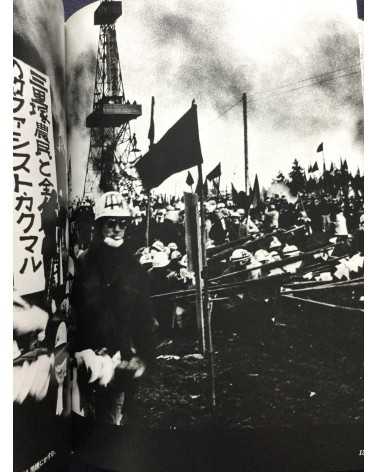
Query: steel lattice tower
[[112, 145]]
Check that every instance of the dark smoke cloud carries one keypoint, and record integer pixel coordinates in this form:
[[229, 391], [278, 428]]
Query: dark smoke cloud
[[328, 99], [80, 84], [211, 71], [206, 68]]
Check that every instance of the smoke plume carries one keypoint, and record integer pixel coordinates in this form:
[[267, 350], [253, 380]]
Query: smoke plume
[[80, 85]]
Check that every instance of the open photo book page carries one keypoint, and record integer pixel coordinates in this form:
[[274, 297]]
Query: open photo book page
[[216, 224], [41, 277]]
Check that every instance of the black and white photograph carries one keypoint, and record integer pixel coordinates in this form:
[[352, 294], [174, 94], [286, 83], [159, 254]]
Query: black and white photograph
[[217, 213], [194, 271]]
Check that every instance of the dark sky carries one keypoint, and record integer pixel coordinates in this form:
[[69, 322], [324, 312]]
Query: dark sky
[[70, 6]]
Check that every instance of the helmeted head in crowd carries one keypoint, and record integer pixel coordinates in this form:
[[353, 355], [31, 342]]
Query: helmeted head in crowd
[[241, 257], [112, 215]]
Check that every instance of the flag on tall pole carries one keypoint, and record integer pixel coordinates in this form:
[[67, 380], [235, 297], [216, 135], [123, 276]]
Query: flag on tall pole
[[235, 195], [151, 131], [360, 9], [189, 179], [179, 149], [216, 172], [214, 178], [151, 137], [205, 188], [321, 149], [256, 197]]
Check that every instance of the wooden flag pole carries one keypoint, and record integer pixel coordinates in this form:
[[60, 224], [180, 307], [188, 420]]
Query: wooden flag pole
[[202, 242], [205, 294], [151, 137], [148, 218]]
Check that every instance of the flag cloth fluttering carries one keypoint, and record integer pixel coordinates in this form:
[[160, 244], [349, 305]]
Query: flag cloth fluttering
[[179, 149], [216, 172], [189, 179], [315, 167], [320, 148], [205, 189], [360, 9], [234, 194], [256, 197], [151, 131]]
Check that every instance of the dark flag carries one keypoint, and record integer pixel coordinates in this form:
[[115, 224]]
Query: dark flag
[[360, 9], [235, 195], [256, 197], [315, 167], [216, 172], [189, 179], [310, 169], [332, 168], [345, 165], [151, 131], [178, 149], [320, 148], [205, 189]]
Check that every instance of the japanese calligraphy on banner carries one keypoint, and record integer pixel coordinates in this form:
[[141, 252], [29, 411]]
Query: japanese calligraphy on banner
[[34, 174]]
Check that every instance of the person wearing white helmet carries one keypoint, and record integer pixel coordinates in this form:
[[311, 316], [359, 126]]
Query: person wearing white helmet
[[112, 311], [239, 259]]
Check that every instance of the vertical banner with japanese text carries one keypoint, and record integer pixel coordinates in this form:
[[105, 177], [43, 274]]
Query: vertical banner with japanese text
[[34, 170]]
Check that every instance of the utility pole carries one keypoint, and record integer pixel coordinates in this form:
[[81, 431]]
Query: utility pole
[[246, 170]]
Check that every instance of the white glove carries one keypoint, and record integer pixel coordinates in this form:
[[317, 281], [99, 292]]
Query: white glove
[[137, 365], [41, 382], [27, 319], [101, 366], [91, 361], [32, 379], [107, 370]]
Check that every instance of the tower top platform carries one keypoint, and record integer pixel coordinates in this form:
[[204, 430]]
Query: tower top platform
[[113, 114], [107, 13]]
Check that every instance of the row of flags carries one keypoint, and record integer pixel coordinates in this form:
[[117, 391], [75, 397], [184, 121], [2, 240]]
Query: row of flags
[[180, 149], [315, 167]]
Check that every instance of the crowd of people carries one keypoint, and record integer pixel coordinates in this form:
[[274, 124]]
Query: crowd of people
[[314, 217], [258, 238], [122, 262]]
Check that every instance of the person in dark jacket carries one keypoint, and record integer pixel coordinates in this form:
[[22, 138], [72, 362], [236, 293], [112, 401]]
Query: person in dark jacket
[[113, 313]]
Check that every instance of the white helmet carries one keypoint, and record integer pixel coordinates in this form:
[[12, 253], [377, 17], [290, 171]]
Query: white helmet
[[145, 259], [241, 212], [158, 246], [172, 246], [112, 205], [241, 255], [261, 255], [175, 255], [275, 243], [160, 259]]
